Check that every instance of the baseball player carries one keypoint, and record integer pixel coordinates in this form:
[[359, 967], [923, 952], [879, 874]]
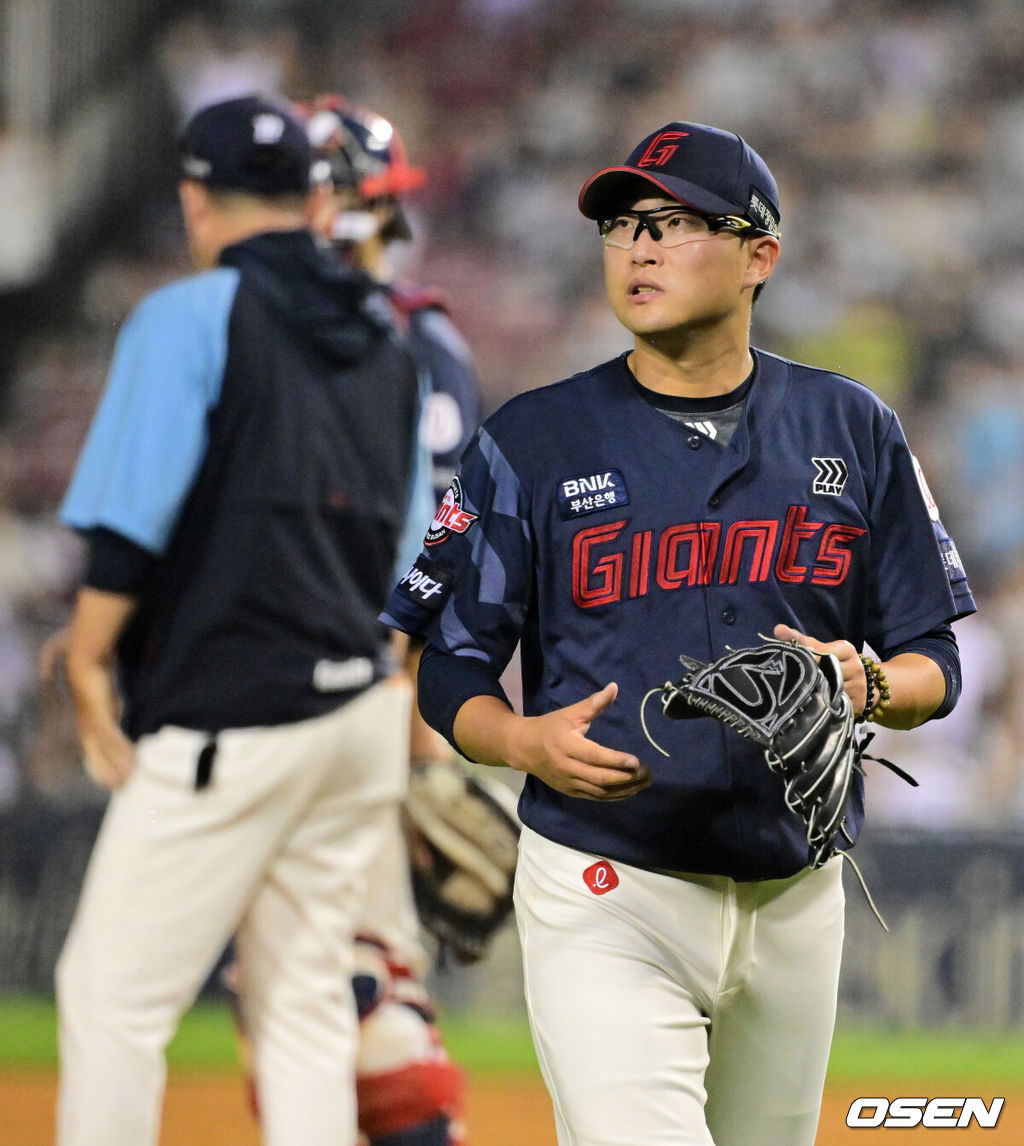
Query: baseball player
[[242, 490], [681, 955], [363, 219], [409, 1093]]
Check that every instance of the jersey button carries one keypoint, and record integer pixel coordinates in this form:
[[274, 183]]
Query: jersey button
[[714, 501], [693, 441], [729, 616]]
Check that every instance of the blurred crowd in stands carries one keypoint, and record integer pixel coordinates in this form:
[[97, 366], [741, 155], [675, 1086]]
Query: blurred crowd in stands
[[896, 131]]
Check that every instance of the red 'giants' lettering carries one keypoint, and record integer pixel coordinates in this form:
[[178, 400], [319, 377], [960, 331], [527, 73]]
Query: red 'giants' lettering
[[606, 566]]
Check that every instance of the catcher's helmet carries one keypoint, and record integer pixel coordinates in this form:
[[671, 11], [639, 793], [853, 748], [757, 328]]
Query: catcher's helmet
[[365, 153]]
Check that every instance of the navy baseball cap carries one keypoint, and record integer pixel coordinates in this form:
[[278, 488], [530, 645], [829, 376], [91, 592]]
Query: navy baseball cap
[[713, 171], [249, 144]]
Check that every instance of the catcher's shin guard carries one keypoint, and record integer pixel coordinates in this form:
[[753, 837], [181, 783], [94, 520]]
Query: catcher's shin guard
[[416, 1105], [408, 1093], [432, 1133]]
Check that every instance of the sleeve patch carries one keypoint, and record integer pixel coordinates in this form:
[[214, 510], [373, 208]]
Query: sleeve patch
[[926, 493], [951, 561], [426, 585], [450, 516]]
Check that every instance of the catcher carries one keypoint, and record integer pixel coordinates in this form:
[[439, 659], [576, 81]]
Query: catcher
[[451, 869], [461, 833]]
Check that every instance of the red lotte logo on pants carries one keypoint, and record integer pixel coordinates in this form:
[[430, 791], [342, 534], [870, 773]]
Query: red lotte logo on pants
[[600, 877]]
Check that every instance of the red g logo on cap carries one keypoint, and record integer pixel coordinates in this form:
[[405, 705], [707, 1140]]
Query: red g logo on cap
[[601, 877], [661, 149]]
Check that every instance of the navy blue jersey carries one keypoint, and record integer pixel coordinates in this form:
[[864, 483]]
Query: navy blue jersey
[[609, 538], [256, 439], [451, 407]]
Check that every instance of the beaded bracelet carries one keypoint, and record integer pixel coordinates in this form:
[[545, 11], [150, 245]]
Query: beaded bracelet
[[876, 679], [869, 682]]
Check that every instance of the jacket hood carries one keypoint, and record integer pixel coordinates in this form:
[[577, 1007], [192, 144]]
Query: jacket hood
[[339, 309]]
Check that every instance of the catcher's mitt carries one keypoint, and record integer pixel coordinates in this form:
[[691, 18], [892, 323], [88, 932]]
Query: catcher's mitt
[[463, 836], [790, 701]]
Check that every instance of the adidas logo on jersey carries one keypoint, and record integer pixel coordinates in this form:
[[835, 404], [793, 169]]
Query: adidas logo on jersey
[[708, 429]]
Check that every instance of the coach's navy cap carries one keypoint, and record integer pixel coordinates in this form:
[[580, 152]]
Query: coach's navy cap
[[712, 171], [248, 144]]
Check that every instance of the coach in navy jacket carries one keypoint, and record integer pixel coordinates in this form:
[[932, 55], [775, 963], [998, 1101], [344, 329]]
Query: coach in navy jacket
[[242, 491]]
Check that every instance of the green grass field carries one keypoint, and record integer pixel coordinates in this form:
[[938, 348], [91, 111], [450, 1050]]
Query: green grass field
[[28, 1037], [499, 1044]]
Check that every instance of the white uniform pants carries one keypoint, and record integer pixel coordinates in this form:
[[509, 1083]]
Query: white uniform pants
[[389, 915], [678, 1010], [275, 849]]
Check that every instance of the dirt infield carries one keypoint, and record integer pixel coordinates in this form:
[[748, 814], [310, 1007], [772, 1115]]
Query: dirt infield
[[209, 1110]]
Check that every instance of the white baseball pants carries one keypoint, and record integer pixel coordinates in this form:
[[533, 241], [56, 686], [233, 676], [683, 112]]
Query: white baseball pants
[[275, 849], [678, 1010], [389, 914]]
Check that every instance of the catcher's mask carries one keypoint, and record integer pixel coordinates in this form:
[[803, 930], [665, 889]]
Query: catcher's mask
[[367, 155]]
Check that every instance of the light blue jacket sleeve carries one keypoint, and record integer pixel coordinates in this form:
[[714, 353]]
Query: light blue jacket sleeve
[[421, 504], [149, 434]]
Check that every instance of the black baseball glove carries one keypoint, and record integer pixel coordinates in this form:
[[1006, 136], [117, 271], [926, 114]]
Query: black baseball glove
[[463, 837], [791, 702]]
